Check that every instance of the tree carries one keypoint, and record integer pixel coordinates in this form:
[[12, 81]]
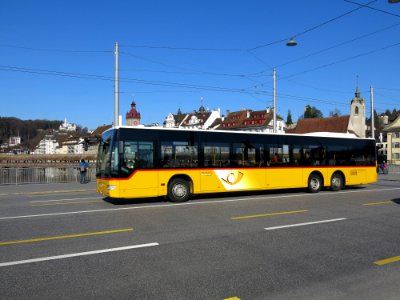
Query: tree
[[378, 124], [312, 112], [393, 115], [289, 120]]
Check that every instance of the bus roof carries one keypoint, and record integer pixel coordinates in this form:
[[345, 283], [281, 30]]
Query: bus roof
[[312, 134]]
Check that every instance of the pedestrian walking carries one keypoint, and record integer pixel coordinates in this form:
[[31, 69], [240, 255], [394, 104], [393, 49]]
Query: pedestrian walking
[[83, 167]]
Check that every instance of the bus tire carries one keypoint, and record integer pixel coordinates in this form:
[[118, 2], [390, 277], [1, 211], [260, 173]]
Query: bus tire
[[178, 190], [337, 182], [314, 183]]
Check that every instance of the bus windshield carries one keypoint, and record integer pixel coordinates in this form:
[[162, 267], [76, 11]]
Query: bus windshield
[[107, 162]]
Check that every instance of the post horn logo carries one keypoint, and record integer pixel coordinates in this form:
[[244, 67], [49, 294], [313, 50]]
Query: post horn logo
[[232, 179]]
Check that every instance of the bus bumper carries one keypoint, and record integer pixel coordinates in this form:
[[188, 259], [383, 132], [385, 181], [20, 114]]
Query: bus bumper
[[108, 188]]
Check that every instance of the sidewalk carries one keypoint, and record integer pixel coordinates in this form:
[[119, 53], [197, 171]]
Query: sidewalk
[[47, 188], [389, 177]]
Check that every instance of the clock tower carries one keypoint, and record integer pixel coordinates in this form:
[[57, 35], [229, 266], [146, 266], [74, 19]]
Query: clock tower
[[133, 116]]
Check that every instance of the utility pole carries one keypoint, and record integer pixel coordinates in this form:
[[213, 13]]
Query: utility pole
[[116, 90], [372, 113], [274, 93]]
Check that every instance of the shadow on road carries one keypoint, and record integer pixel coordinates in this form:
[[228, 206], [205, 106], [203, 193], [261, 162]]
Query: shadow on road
[[397, 201], [120, 201]]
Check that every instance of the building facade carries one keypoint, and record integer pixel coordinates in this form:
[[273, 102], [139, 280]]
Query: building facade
[[393, 141], [253, 121], [201, 119]]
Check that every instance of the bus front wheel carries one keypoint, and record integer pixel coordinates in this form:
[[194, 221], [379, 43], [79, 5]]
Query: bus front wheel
[[314, 183], [178, 190]]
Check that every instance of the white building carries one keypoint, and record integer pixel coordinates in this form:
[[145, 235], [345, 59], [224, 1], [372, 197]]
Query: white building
[[71, 146], [201, 119], [14, 141], [67, 126], [47, 145]]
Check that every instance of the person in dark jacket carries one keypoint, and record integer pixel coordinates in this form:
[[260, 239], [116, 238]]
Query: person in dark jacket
[[83, 167]]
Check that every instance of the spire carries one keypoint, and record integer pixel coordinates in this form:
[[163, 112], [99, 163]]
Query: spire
[[202, 109], [357, 92]]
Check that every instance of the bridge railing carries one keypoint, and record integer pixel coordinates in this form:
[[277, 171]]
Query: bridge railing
[[43, 175]]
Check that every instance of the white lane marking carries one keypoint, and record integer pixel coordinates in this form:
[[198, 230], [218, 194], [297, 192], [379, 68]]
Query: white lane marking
[[195, 202], [68, 199], [40, 259], [305, 224]]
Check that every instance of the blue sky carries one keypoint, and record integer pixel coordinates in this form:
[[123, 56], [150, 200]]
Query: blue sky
[[57, 57]]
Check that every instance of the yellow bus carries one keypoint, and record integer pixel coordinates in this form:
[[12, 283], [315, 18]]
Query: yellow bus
[[135, 162]]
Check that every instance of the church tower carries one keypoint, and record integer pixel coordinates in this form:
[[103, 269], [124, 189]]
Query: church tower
[[133, 116], [357, 114]]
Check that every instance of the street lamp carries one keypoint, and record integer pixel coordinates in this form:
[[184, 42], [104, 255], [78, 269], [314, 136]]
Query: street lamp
[[291, 42]]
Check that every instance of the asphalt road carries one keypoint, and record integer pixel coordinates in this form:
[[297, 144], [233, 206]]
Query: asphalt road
[[64, 241]]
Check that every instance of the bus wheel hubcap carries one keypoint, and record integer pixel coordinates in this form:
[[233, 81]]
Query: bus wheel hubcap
[[314, 184], [336, 182], [179, 190]]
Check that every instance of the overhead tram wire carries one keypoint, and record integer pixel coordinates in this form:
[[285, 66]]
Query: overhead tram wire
[[342, 60], [252, 48], [339, 61], [247, 50], [190, 71], [339, 45], [54, 73], [54, 50], [373, 8], [129, 80], [184, 48], [310, 99], [311, 29]]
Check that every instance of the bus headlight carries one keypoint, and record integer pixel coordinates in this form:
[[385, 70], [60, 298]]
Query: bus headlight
[[111, 187]]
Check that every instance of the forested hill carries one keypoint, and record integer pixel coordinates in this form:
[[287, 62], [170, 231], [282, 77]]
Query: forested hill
[[30, 131]]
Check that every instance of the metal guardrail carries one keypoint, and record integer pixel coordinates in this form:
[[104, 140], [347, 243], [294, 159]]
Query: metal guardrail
[[394, 168], [43, 175]]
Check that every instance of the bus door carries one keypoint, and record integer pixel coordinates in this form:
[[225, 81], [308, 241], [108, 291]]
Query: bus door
[[137, 160]]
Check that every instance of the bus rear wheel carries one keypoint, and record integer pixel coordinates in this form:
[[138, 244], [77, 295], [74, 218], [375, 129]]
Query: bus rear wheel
[[314, 183], [178, 190], [336, 182]]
